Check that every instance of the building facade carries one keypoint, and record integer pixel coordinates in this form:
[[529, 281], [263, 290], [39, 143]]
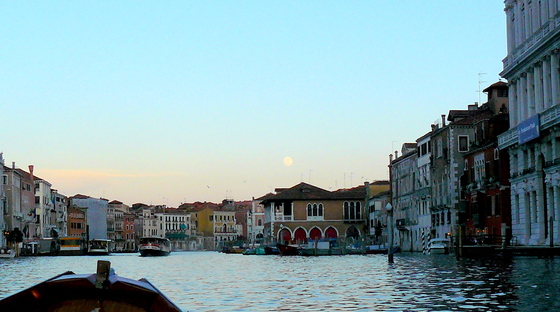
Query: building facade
[[96, 215], [533, 139], [306, 213]]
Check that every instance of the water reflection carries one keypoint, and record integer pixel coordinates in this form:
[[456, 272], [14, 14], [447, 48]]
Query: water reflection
[[208, 281]]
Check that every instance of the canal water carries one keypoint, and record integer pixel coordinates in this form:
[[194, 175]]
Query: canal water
[[211, 281]]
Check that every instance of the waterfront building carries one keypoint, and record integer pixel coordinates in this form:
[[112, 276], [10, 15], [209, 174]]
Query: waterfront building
[[377, 217], [449, 142], [305, 212], [3, 204], [96, 215], [60, 217], [77, 224], [533, 139], [218, 225], [111, 222], [129, 235], [404, 169], [45, 212], [147, 225], [115, 223], [423, 187], [243, 220], [256, 234], [485, 181], [19, 199], [175, 225]]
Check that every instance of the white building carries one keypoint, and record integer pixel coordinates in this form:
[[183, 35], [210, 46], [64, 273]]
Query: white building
[[44, 209], [3, 203], [533, 141], [96, 209], [424, 188]]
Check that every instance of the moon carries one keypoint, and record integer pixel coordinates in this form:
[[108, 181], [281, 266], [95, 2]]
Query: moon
[[288, 161]]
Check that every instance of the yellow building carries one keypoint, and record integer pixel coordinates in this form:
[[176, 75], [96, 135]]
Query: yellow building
[[215, 223]]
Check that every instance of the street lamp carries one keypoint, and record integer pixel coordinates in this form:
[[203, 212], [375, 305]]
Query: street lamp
[[389, 209]]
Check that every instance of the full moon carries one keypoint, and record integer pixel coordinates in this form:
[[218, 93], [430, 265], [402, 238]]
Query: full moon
[[288, 161]]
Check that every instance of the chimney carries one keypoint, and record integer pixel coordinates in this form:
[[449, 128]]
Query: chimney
[[442, 120], [13, 165], [31, 172], [396, 154]]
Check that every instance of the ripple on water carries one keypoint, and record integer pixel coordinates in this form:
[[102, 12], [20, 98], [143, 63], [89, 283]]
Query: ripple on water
[[209, 281]]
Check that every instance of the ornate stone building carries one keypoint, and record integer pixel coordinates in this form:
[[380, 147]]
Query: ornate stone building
[[533, 139]]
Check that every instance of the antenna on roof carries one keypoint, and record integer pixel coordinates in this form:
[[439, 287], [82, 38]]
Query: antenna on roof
[[479, 83]]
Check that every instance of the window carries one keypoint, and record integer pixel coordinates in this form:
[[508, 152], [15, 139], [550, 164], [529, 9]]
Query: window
[[352, 211], [315, 211], [463, 143], [211, 218]]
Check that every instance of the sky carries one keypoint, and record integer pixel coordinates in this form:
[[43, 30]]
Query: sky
[[165, 102]]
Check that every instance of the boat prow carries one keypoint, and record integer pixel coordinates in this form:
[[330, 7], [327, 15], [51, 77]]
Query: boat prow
[[103, 291]]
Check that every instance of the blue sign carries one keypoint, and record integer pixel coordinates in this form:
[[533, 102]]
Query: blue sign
[[528, 130]]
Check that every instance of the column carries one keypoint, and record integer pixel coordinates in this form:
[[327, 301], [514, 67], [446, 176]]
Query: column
[[527, 208], [522, 103], [517, 23], [546, 83], [550, 209], [530, 92], [537, 83], [512, 104], [510, 28], [556, 207], [554, 79], [540, 193]]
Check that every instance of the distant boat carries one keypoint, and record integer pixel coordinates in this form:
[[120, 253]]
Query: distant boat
[[99, 246], [154, 246], [103, 291]]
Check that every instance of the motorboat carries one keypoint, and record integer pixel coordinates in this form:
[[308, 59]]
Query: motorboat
[[7, 252], [289, 250], [438, 246], [99, 246], [154, 246], [102, 291]]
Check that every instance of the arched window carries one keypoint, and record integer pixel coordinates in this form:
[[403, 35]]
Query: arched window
[[315, 211]]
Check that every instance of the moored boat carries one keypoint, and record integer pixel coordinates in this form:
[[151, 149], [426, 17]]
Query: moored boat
[[102, 291], [154, 246], [7, 252], [71, 246], [438, 246], [289, 250], [377, 249]]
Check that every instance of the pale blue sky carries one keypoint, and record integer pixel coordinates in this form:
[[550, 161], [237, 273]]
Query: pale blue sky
[[173, 101]]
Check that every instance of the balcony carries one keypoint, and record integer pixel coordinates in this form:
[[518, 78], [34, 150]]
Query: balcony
[[507, 138]]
